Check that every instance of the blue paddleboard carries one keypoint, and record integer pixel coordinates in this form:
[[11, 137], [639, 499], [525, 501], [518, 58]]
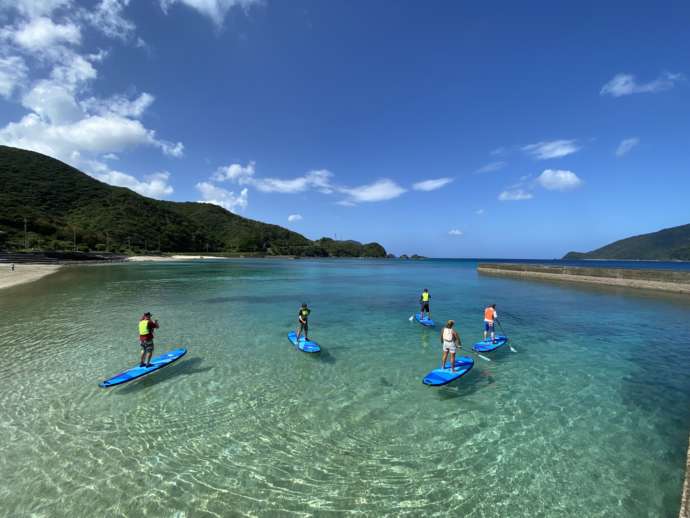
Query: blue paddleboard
[[486, 346], [137, 372], [426, 321], [437, 377], [306, 346]]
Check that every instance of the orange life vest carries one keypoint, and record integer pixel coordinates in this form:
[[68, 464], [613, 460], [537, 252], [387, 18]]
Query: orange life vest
[[489, 314]]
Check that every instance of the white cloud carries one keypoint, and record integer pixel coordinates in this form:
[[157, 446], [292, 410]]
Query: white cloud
[[34, 8], [295, 217], [552, 149], [235, 172], [479, 212], [53, 102], [515, 195], [227, 199], [120, 105], [319, 180], [214, 9], [173, 149], [431, 185], [245, 175], [380, 190], [155, 185], [626, 84], [491, 167], [75, 70], [558, 180], [107, 18], [13, 74], [498, 151], [455, 232], [626, 146], [42, 33], [95, 134]]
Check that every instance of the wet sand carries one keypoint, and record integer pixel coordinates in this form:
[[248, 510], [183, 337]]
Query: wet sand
[[24, 273]]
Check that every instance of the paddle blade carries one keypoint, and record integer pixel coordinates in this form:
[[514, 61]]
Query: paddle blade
[[484, 357]]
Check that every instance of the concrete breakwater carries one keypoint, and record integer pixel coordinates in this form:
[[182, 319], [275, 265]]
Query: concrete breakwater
[[662, 280], [685, 498]]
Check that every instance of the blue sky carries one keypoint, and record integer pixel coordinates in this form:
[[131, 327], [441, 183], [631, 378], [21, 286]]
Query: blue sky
[[450, 129]]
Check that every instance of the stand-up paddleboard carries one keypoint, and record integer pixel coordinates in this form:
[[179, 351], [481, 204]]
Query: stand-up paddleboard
[[303, 345], [137, 372], [437, 377], [426, 321], [486, 346]]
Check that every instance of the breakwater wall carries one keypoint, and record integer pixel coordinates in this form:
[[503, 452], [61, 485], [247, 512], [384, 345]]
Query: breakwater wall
[[685, 498], [660, 280]]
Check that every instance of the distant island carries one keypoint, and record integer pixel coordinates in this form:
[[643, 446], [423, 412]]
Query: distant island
[[669, 244], [48, 205]]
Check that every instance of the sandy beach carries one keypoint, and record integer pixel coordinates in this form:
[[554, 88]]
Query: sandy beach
[[24, 273], [139, 258]]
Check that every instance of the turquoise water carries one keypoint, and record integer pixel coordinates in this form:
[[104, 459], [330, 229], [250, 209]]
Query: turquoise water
[[590, 417]]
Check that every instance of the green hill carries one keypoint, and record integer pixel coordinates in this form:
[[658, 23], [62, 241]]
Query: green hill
[[56, 201], [669, 244]]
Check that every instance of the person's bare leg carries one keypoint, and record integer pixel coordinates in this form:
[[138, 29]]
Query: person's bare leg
[[452, 361], [445, 357], [148, 359]]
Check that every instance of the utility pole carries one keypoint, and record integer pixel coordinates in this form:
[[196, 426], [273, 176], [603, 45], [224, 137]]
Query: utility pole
[[26, 239]]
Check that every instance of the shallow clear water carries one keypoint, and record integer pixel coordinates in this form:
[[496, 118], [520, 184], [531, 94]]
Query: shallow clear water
[[589, 418]]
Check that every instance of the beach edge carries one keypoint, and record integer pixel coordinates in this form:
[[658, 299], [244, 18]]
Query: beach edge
[[25, 273]]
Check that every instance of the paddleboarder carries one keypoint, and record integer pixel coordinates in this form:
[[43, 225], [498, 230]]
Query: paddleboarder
[[490, 316], [450, 340], [303, 318], [424, 302], [146, 327]]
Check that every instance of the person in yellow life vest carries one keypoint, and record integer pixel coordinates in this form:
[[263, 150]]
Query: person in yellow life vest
[[146, 327], [490, 316], [303, 318], [424, 302]]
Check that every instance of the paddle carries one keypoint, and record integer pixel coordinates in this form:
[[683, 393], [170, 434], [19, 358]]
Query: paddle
[[411, 318], [504, 333], [480, 355]]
